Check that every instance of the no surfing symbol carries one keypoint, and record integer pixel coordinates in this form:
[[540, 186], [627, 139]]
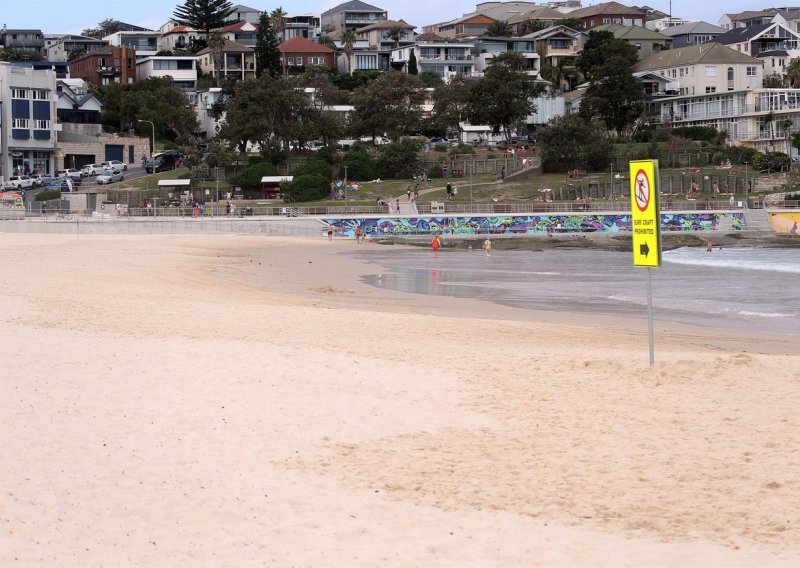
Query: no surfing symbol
[[642, 191]]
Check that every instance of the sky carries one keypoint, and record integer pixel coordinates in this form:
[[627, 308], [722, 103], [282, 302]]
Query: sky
[[73, 16]]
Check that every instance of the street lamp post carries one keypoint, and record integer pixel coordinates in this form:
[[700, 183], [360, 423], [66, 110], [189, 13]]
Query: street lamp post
[[153, 147]]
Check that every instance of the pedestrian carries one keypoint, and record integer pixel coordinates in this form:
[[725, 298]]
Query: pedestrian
[[408, 193], [435, 244], [196, 211], [397, 205], [330, 232], [416, 193], [449, 188], [503, 173], [487, 246]]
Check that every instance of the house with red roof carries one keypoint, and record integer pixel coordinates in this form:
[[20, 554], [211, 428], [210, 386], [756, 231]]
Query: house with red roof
[[301, 52]]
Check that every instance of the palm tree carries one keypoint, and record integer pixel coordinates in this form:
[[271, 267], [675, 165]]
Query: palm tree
[[395, 33], [793, 72], [278, 19], [217, 45], [348, 39]]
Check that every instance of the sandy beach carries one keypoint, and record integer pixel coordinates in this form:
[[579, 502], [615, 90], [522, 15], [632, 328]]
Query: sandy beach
[[247, 401]]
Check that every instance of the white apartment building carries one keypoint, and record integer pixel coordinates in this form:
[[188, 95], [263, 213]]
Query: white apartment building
[[443, 58], [28, 122], [183, 70]]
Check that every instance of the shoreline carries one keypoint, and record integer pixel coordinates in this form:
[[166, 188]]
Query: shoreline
[[180, 399]]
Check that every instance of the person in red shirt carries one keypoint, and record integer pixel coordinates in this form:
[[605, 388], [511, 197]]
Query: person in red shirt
[[435, 244]]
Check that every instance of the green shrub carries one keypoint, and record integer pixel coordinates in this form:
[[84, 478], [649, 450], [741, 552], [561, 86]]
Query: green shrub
[[250, 177], [307, 187], [314, 166], [401, 159], [329, 153], [435, 172], [462, 149], [360, 165], [793, 197], [47, 195]]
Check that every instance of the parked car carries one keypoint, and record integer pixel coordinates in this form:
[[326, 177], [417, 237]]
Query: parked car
[[109, 176], [116, 164], [61, 184], [41, 180], [92, 169], [162, 162], [70, 173], [19, 182]]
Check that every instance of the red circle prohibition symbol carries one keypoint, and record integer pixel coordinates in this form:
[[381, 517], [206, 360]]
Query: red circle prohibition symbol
[[641, 191]]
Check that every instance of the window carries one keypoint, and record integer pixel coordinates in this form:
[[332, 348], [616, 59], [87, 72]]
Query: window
[[711, 70], [39, 95], [316, 60], [711, 90], [19, 93], [42, 124], [19, 123], [751, 71]]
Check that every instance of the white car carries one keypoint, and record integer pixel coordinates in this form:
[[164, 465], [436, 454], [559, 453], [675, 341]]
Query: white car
[[92, 169], [109, 176], [41, 180], [19, 182], [70, 173], [115, 164]]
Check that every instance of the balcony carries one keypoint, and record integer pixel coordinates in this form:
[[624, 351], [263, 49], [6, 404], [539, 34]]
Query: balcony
[[108, 71], [441, 58]]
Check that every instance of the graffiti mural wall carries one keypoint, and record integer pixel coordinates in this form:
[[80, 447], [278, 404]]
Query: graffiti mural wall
[[785, 223], [529, 224]]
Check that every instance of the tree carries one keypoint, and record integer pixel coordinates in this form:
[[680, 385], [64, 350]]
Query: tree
[[154, 99], [504, 97], [105, 28], [569, 142], [618, 99], [614, 94], [412, 64], [216, 42], [530, 26], [390, 104], [348, 39], [401, 159], [20, 55], [76, 53], [773, 81], [571, 23], [499, 28], [203, 15], [395, 33], [603, 51], [278, 19], [450, 101], [430, 79], [793, 72], [268, 55]]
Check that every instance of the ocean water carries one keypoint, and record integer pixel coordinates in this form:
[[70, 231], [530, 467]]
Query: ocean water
[[750, 289]]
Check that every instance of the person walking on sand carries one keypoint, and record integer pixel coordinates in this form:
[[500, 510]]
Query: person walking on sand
[[487, 246], [708, 246], [397, 205], [435, 244], [330, 232]]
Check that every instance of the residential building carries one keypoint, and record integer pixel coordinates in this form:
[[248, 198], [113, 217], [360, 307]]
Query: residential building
[[377, 37], [444, 58], [182, 69], [752, 40], [363, 57], [28, 123], [608, 13], [564, 6], [26, 40], [61, 49], [75, 104], [664, 22], [502, 11], [468, 27], [241, 32], [105, 66], [645, 41], [204, 100], [487, 48], [179, 37], [237, 61], [300, 52], [144, 43], [354, 14], [542, 15], [747, 18], [302, 25], [692, 33], [243, 13], [558, 46]]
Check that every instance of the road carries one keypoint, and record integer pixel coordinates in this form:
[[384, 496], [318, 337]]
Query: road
[[133, 172]]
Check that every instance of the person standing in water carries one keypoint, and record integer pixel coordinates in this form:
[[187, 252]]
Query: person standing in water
[[487, 246], [435, 244]]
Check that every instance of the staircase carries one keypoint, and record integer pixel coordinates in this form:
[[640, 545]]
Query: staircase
[[756, 219]]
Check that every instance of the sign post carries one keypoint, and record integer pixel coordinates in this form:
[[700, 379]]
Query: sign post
[[646, 228]]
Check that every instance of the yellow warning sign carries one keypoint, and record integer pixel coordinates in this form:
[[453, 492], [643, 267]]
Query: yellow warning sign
[[646, 220]]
